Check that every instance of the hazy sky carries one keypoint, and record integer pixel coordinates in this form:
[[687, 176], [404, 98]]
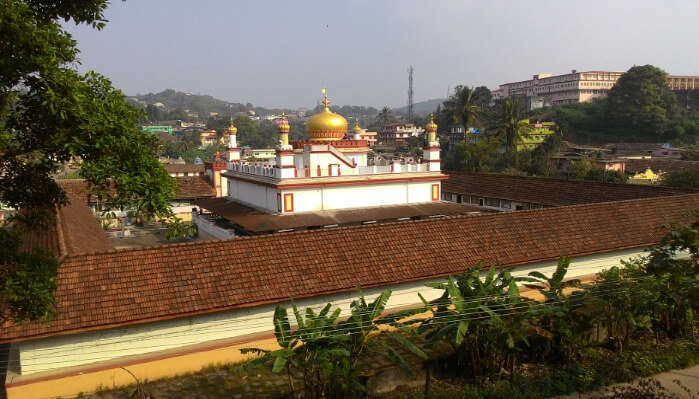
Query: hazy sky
[[281, 53]]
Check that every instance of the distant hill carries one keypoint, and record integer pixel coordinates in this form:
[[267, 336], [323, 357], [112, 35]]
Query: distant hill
[[422, 108], [202, 104]]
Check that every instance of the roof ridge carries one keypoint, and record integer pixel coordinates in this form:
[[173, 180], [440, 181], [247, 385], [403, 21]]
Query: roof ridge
[[377, 225]]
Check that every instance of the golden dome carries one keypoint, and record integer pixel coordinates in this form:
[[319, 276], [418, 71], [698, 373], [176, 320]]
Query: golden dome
[[283, 124], [431, 126], [356, 127], [326, 125]]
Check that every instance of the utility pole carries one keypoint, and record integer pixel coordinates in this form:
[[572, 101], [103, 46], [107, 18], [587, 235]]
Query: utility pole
[[410, 94]]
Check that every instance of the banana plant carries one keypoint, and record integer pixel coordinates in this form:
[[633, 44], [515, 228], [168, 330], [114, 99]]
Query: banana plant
[[365, 339], [482, 319], [552, 287]]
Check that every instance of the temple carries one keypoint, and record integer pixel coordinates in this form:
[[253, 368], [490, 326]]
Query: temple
[[326, 172]]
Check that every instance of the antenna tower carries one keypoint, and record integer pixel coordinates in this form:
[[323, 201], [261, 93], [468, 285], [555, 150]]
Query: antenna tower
[[410, 94]]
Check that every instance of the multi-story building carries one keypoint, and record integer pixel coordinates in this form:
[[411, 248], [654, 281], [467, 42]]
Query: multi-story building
[[396, 133], [545, 90], [538, 132], [457, 134], [207, 138]]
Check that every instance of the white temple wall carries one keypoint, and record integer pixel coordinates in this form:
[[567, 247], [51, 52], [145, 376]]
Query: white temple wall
[[357, 196], [59, 352], [256, 195]]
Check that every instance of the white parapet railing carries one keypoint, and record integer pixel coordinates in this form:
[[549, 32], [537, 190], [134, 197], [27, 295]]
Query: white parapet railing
[[255, 168], [268, 170]]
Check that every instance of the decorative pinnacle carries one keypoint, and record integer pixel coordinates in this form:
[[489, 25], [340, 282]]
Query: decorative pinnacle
[[231, 126], [356, 124], [326, 102], [431, 126], [283, 124]]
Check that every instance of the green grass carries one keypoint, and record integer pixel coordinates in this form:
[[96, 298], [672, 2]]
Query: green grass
[[597, 367]]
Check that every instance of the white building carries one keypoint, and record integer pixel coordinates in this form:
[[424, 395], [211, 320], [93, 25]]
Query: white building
[[328, 172]]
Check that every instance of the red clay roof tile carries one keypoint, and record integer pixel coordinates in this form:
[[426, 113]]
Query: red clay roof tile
[[148, 284], [547, 191]]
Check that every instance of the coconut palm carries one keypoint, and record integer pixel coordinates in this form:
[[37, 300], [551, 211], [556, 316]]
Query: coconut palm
[[463, 107], [511, 128]]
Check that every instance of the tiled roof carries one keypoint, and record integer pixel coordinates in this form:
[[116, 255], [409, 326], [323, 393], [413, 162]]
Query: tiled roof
[[261, 222], [659, 165], [547, 191], [194, 187], [98, 291], [184, 168], [74, 230]]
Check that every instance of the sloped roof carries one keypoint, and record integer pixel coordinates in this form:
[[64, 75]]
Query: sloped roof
[[184, 168], [257, 222], [194, 187], [659, 165], [547, 191], [74, 228], [98, 291]]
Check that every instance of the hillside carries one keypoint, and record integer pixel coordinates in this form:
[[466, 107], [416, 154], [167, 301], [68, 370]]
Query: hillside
[[422, 108], [202, 104]]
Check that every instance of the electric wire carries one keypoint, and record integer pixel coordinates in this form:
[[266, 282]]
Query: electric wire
[[515, 309]]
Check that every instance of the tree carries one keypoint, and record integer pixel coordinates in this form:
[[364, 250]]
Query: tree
[[385, 116], [466, 105], [481, 156], [511, 128], [154, 113], [579, 168], [686, 179], [482, 96], [51, 114], [640, 103]]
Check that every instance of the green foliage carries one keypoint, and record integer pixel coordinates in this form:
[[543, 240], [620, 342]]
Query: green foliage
[[510, 128], [481, 156], [641, 103], [468, 318], [675, 263], [686, 179], [595, 368], [178, 230], [329, 354], [28, 281], [178, 101], [58, 115], [467, 105], [385, 117], [639, 107], [50, 114]]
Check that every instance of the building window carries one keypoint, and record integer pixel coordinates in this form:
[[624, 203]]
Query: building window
[[279, 202], [288, 202], [435, 192]]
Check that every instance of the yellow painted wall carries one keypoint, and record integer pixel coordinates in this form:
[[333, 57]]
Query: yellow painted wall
[[88, 382], [64, 384]]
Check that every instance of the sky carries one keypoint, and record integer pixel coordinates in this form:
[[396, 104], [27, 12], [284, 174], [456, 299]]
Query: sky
[[282, 53]]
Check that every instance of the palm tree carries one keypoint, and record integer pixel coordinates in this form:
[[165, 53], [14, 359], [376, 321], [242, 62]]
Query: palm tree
[[511, 129], [463, 107], [385, 116]]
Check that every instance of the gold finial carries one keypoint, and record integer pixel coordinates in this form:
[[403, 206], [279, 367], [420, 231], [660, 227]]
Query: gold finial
[[356, 125], [283, 124], [231, 126], [326, 102], [431, 126]]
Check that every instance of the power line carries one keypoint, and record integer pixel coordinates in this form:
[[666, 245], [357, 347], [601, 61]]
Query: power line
[[338, 330], [263, 321], [254, 322]]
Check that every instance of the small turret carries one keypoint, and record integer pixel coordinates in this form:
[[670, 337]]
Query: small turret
[[233, 150], [431, 152]]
